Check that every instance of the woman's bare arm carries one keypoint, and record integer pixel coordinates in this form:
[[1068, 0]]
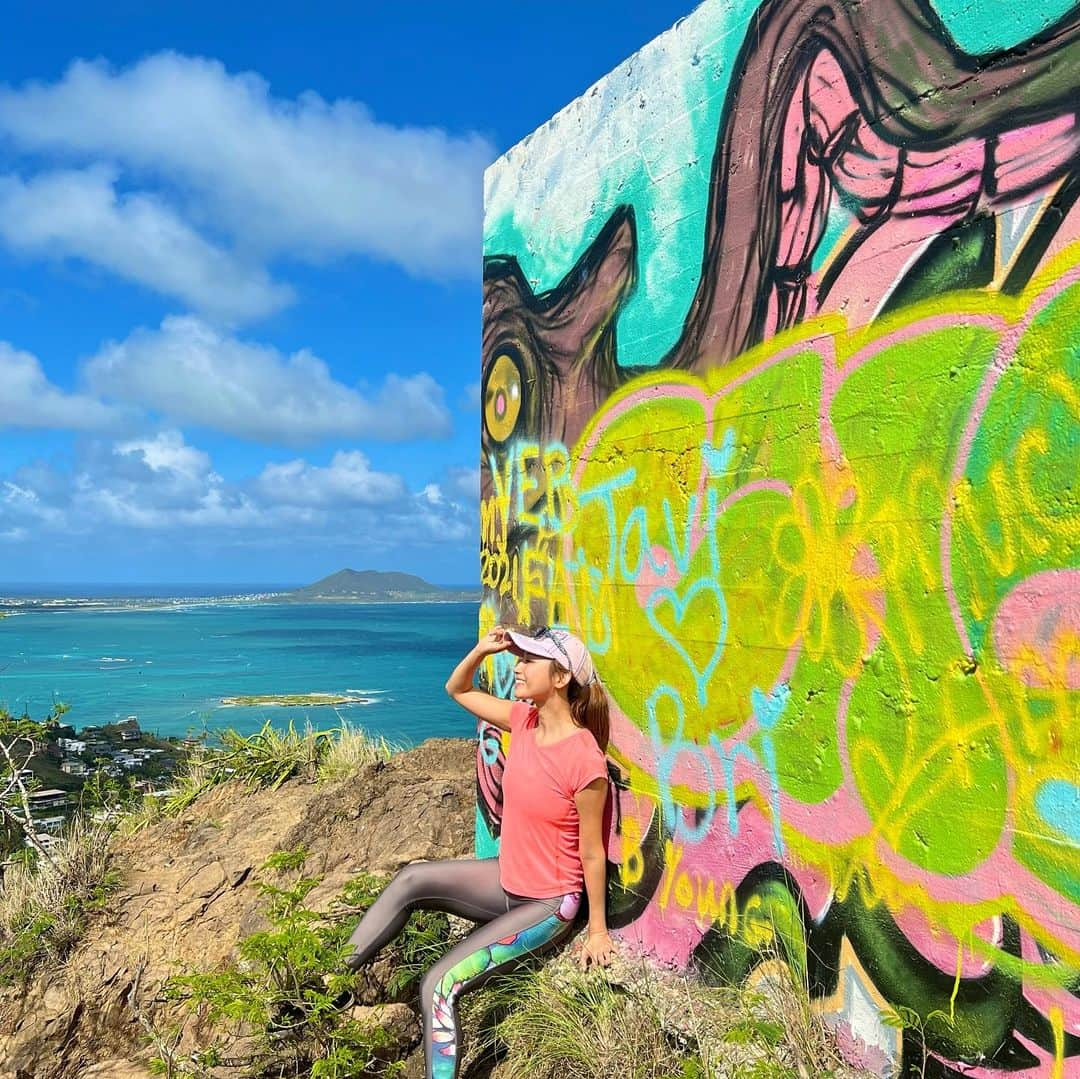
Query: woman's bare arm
[[459, 685], [590, 803]]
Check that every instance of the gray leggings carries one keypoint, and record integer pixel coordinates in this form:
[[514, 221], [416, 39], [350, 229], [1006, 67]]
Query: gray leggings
[[510, 928]]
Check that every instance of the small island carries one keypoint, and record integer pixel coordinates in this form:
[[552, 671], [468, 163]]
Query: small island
[[293, 700]]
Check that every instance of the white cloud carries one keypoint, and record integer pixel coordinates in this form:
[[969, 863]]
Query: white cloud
[[94, 506], [306, 177], [136, 236], [194, 373], [464, 483], [29, 400], [157, 483], [348, 480], [22, 503], [471, 397], [167, 452], [154, 483], [162, 487]]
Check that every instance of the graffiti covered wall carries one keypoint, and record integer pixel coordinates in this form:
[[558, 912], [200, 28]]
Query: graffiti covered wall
[[781, 414]]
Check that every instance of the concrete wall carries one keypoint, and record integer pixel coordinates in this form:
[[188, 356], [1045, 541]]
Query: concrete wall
[[781, 361]]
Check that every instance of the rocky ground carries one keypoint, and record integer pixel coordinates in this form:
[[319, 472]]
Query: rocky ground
[[188, 895], [190, 892]]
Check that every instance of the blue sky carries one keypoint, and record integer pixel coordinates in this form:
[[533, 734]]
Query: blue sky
[[239, 277]]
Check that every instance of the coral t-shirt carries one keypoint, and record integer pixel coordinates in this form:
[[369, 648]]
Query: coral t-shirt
[[538, 851]]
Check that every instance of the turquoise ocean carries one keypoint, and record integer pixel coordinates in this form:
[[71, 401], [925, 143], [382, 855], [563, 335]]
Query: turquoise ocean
[[170, 667]]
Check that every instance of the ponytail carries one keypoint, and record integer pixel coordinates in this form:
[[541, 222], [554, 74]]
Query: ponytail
[[589, 707]]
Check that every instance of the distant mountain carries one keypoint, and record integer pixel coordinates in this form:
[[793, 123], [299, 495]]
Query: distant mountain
[[370, 586]]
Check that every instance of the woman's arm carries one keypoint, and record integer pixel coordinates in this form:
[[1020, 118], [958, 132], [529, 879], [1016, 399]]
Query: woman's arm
[[590, 802], [460, 686]]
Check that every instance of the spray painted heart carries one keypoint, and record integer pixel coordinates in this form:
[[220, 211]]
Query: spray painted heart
[[680, 607]]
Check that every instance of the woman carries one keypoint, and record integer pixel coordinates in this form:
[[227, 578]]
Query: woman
[[552, 844]]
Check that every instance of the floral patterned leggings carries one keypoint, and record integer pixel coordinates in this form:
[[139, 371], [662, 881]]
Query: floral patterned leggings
[[509, 928]]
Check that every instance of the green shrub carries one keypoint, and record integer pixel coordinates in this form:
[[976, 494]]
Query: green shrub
[[277, 1008]]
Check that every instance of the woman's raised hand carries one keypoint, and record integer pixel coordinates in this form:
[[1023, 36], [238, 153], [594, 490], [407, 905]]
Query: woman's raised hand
[[498, 640]]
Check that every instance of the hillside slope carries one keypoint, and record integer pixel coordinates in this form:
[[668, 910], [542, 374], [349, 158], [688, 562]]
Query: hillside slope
[[189, 893]]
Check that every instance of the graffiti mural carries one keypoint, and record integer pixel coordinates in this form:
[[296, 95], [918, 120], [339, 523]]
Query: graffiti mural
[[781, 414]]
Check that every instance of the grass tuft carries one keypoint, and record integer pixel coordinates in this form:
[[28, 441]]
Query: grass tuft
[[351, 750], [270, 757], [557, 1022], [44, 906]]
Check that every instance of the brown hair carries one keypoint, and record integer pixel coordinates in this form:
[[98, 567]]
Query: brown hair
[[588, 706]]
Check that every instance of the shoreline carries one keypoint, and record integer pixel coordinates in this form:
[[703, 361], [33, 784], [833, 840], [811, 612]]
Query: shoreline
[[20, 606]]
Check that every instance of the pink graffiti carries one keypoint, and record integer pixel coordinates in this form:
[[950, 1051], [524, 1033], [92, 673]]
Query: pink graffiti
[[1047, 998], [922, 192], [1032, 621], [671, 932], [840, 819], [649, 580], [1069, 1068], [943, 949], [856, 1051]]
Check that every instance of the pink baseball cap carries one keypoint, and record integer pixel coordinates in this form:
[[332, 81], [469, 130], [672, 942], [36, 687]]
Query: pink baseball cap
[[559, 645]]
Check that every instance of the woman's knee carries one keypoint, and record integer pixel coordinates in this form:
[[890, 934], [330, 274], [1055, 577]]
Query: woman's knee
[[407, 883]]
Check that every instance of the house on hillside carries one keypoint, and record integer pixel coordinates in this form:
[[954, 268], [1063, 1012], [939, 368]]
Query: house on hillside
[[47, 799], [74, 767], [43, 840]]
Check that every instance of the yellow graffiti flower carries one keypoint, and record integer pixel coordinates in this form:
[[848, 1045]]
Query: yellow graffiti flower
[[834, 591]]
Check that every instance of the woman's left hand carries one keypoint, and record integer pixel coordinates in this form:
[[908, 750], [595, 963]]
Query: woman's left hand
[[599, 950]]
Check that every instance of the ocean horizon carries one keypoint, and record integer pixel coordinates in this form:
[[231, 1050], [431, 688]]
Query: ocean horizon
[[164, 590], [172, 666]]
